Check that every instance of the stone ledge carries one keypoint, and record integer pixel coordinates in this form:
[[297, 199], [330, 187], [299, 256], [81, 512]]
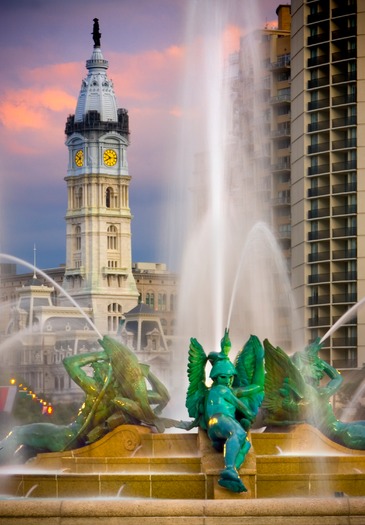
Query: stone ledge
[[320, 509]]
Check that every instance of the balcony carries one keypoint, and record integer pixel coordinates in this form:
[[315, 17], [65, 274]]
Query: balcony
[[344, 254], [92, 121], [319, 321], [320, 190], [344, 341], [344, 32], [347, 209], [316, 170], [281, 201], [345, 276], [344, 298], [344, 77], [318, 104], [344, 166], [318, 39], [348, 231], [279, 99], [318, 148], [281, 166], [346, 187], [344, 99], [319, 299], [318, 60], [319, 278], [318, 126], [284, 235], [318, 235], [319, 256], [318, 82], [320, 212], [74, 272], [114, 271], [344, 10], [283, 63], [344, 363], [344, 143], [317, 17], [280, 132], [352, 321], [344, 122], [343, 55]]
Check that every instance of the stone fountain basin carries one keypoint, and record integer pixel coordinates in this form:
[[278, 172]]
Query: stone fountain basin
[[132, 462]]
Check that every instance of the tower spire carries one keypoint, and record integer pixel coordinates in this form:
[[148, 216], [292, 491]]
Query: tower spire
[[34, 261]]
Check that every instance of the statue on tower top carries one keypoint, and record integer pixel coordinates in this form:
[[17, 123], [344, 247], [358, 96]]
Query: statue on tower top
[[96, 33]]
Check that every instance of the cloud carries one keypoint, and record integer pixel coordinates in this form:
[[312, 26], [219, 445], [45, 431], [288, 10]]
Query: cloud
[[43, 63], [148, 76], [231, 39], [66, 74], [15, 113], [28, 108], [33, 102], [33, 110], [176, 111], [271, 24]]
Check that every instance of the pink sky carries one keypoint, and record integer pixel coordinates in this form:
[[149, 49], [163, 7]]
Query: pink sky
[[44, 46]]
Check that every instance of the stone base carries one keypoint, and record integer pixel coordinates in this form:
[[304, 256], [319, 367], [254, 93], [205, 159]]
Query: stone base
[[302, 462], [292, 511], [299, 440], [133, 462], [122, 442]]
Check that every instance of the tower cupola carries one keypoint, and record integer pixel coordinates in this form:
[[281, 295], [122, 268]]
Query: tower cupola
[[97, 104]]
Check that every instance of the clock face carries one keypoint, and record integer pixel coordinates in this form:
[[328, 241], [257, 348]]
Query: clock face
[[79, 158], [110, 157]]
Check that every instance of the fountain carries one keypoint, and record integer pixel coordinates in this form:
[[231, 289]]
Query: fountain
[[222, 240], [132, 474]]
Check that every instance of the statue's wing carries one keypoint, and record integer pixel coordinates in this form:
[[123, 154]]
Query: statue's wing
[[249, 381], [285, 389], [196, 374], [249, 364]]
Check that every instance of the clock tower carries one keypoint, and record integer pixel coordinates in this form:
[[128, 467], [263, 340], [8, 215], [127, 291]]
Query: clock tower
[[98, 272]]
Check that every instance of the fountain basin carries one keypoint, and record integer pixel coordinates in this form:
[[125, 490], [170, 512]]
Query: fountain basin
[[133, 462]]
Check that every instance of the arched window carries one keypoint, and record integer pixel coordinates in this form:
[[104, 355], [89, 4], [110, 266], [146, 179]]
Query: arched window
[[78, 197], [78, 238], [112, 237], [114, 317], [109, 197]]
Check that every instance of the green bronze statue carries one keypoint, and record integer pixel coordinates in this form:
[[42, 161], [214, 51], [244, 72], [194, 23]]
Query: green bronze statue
[[228, 407], [286, 390], [294, 394], [117, 393]]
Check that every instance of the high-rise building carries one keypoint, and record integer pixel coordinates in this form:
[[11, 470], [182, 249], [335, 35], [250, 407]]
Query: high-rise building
[[275, 49], [328, 173], [261, 123]]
